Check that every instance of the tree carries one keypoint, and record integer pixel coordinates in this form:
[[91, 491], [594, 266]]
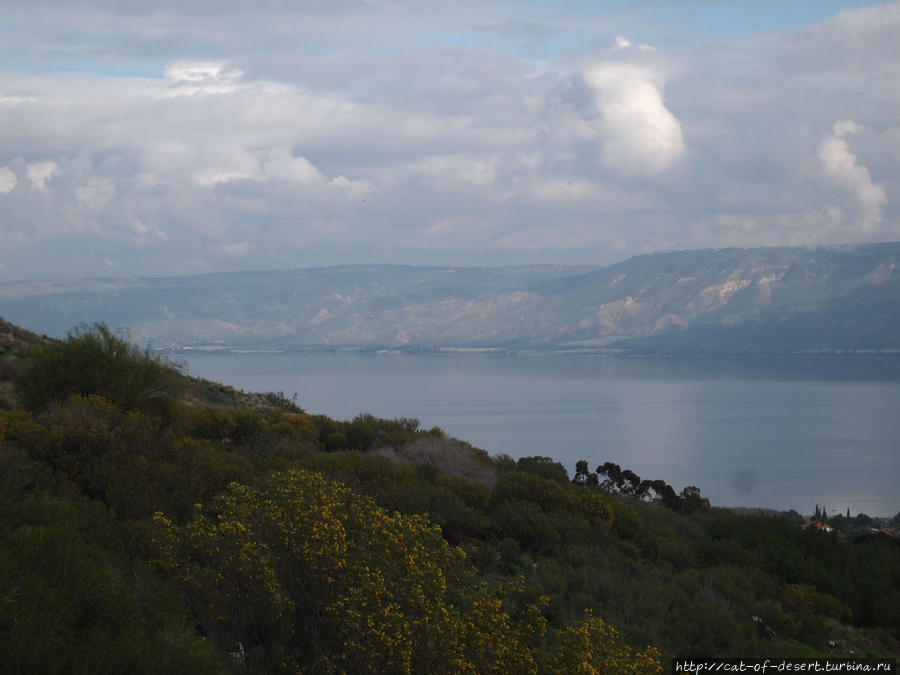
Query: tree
[[692, 500], [545, 467], [613, 480], [583, 475], [631, 482]]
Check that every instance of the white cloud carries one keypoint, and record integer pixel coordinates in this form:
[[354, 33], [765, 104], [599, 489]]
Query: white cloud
[[841, 166], [209, 177], [40, 172], [355, 189], [359, 133], [144, 233], [8, 179], [843, 127], [187, 78], [280, 163], [203, 71], [620, 42], [456, 168], [16, 99], [235, 250], [640, 136], [275, 163]]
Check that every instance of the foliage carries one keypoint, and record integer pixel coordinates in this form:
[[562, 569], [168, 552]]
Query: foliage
[[294, 542], [93, 360], [127, 460], [611, 478], [306, 574], [545, 467], [365, 432], [69, 604], [279, 399]]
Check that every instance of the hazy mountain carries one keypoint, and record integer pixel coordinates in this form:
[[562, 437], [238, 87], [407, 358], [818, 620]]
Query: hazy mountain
[[729, 300]]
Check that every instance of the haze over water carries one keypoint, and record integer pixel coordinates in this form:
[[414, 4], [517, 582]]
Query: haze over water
[[783, 433]]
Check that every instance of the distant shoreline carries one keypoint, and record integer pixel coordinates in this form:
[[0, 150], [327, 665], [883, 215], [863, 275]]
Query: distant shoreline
[[523, 351]]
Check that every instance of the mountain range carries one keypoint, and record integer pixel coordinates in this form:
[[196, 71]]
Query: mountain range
[[763, 300]]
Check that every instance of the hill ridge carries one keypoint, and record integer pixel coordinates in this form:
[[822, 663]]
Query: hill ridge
[[733, 300]]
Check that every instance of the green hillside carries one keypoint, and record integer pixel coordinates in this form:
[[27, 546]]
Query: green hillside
[[152, 522]]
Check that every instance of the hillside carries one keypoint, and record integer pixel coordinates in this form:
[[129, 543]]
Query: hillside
[[729, 300], [151, 522]]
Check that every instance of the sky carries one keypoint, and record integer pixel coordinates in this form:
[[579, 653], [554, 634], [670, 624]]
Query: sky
[[172, 138]]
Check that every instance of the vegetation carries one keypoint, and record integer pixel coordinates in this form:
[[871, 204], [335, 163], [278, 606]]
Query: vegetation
[[151, 522], [93, 360]]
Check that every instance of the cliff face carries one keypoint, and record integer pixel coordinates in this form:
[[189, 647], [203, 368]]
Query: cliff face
[[779, 299], [756, 300]]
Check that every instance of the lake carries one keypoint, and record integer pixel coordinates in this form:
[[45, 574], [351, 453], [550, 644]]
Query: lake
[[783, 433]]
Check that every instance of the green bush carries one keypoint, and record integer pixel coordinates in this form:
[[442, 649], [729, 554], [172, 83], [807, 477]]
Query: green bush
[[93, 360], [68, 605], [544, 467]]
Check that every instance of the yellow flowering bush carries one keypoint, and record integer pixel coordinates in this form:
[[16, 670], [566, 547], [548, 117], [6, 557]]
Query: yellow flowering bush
[[310, 576], [591, 647]]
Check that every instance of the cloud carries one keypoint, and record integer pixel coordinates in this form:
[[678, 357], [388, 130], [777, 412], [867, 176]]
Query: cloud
[[843, 127], [95, 194], [565, 191], [40, 172], [172, 140], [235, 250], [189, 78], [854, 41], [16, 99], [8, 179], [462, 169], [200, 71], [447, 230], [841, 166], [280, 163], [620, 42], [640, 136]]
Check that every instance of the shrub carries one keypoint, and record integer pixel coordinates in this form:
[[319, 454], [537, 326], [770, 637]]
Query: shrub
[[309, 576], [93, 360], [67, 605], [544, 467]]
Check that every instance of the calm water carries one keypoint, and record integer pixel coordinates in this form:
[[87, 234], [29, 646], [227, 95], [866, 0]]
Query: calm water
[[786, 433]]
